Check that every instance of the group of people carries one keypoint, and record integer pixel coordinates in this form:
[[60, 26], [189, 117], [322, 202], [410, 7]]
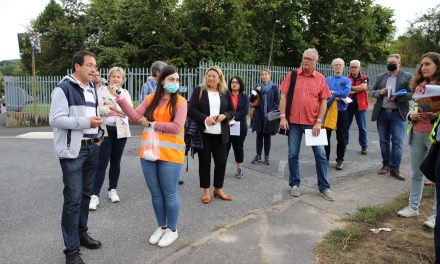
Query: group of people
[[91, 127]]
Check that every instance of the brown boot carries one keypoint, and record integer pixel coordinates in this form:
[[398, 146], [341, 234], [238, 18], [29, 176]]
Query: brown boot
[[396, 174], [384, 170]]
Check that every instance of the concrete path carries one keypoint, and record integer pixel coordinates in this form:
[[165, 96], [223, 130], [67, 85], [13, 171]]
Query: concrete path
[[264, 223]]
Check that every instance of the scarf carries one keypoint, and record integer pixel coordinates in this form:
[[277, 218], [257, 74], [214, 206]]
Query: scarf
[[265, 92]]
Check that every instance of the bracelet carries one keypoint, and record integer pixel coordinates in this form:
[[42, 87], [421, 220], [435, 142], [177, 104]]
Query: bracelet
[[282, 115], [319, 120]]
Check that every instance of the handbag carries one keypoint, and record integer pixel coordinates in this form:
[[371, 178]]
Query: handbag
[[257, 102], [273, 115], [428, 165], [150, 144], [331, 116]]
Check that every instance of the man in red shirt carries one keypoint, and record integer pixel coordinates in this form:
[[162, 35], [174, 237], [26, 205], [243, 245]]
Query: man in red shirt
[[306, 112], [359, 106]]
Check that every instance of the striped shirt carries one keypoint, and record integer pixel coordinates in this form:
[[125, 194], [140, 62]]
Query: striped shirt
[[89, 95], [309, 91]]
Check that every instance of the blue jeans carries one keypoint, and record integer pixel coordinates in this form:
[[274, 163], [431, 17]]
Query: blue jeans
[[361, 121], [418, 148], [295, 136], [162, 179], [78, 179], [391, 128], [111, 150], [437, 218]]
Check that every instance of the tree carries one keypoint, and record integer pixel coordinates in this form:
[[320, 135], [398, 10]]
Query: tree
[[422, 36], [349, 29], [62, 34]]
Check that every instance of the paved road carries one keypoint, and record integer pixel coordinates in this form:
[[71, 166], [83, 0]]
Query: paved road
[[264, 224]]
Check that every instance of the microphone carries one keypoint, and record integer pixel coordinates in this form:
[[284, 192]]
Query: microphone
[[118, 91]]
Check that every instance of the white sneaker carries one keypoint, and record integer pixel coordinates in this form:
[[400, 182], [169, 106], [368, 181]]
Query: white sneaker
[[430, 222], [156, 236], [168, 238], [408, 212], [294, 191], [113, 196], [94, 202], [328, 195]]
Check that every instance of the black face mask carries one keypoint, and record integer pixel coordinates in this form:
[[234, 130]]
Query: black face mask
[[391, 66]]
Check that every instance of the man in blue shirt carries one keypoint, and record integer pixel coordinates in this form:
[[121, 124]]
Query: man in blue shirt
[[150, 86], [340, 87]]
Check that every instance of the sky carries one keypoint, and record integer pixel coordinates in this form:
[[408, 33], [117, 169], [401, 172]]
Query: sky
[[16, 16]]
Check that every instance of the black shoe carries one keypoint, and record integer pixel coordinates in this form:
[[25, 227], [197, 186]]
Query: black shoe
[[364, 151], [75, 258], [86, 241], [256, 160], [267, 160]]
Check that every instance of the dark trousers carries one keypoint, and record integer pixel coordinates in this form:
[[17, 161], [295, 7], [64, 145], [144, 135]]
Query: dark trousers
[[340, 138], [111, 150], [267, 143], [212, 144], [78, 179], [237, 143], [437, 218]]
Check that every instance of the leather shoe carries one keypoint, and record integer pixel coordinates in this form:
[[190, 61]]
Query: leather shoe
[[86, 241], [384, 170], [74, 258], [206, 199], [218, 193], [396, 174]]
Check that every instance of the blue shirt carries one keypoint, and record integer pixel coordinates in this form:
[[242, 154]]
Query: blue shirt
[[340, 87], [148, 88]]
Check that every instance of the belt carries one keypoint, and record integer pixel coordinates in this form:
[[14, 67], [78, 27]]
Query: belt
[[88, 142], [388, 110]]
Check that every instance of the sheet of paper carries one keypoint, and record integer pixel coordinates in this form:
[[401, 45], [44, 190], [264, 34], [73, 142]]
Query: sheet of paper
[[320, 140], [347, 100], [234, 129], [430, 91]]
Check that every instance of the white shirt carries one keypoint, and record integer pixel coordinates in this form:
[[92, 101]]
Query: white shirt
[[214, 110], [91, 110]]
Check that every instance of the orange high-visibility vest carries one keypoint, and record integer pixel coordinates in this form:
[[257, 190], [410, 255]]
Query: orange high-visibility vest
[[171, 146]]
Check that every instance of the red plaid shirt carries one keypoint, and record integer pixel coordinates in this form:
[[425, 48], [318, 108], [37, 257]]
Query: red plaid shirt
[[309, 91]]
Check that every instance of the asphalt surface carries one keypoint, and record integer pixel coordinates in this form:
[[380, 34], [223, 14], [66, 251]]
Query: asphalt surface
[[263, 224]]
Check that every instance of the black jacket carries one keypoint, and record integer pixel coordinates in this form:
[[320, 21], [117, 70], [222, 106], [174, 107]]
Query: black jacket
[[259, 122], [242, 110], [199, 111]]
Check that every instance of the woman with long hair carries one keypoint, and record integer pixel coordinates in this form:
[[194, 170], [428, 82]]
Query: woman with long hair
[[419, 129], [241, 107], [212, 108], [117, 130], [165, 112]]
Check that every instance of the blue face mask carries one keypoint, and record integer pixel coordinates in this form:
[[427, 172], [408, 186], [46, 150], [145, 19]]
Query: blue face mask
[[171, 87]]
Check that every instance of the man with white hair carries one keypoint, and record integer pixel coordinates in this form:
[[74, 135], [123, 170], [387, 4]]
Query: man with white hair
[[305, 109], [340, 88], [359, 106]]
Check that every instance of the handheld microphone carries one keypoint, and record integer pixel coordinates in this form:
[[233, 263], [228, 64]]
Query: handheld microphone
[[118, 91]]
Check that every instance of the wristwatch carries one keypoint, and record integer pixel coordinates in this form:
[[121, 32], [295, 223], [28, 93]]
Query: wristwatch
[[319, 120]]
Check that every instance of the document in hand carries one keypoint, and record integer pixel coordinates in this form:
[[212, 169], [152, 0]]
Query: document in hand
[[320, 140], [430, 100]]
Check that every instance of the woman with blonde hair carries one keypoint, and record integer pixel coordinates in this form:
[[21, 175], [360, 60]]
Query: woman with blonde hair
[[212, 108], [117, 130]]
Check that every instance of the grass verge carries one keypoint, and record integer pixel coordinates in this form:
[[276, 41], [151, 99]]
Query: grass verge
[[408, 242]]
